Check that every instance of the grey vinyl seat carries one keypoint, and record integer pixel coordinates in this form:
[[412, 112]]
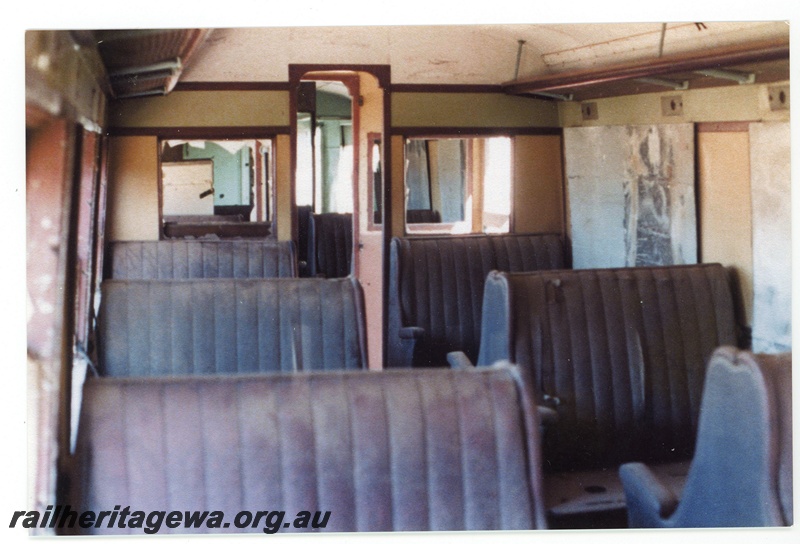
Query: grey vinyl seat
[[211, 326], [619, 356], [741, 473], [436, 289], [398, 450], [180, 259]]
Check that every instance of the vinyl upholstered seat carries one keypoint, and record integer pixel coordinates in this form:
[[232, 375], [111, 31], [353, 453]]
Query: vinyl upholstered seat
[[330, 245], [741, 474], [436, 289], [423, 216], [179, 259], [213, 326], [398, 450], [620, 355]]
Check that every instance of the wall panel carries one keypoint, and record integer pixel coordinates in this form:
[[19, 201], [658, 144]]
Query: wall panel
[[631, 195], [770, 160], [725, 213], [133, 188], [537, 184]]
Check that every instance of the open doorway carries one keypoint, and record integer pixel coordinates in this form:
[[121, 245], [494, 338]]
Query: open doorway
[[338, 113]]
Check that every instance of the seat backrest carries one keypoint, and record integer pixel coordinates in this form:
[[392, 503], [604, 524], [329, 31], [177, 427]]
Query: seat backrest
[[331, 245], [620, 354], [179, 259], [436, 283], [423, 216], [151, 327], [401, 450], [303, 232], [741, 474]]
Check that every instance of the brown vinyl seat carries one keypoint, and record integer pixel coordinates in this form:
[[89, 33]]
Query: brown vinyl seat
[[620, 356], [330, 245], [398, 450], [436, 289]]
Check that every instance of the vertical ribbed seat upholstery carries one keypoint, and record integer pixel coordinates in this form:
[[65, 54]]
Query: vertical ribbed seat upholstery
[[620, 354], [436, 289], [399, 450], [179, 259], [151, 327], [741, 473], [423, 216], [330, 245]]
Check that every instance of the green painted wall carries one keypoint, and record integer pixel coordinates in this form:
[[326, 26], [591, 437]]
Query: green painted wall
[[203, 109], [471, 110], [232, 173]]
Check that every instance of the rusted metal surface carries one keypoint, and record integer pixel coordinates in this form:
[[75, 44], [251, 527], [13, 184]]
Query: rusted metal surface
[[48, 201], [85, 234]]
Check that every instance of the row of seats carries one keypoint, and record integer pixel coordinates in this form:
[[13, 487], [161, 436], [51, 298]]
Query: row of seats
[[179, 259], [618, 362], [436, 289], [183, 358], [403, 450], [190, 326], [618, 356]]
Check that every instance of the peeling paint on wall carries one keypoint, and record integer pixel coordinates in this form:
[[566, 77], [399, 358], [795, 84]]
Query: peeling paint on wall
[[631, 194]]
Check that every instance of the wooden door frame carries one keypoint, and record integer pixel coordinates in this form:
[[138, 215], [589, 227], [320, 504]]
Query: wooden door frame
[[382, 72]]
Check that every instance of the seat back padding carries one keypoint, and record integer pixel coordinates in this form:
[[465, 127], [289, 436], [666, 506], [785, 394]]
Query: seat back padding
[[437, 284], [151, 327], [180, 259], [396, 450], [331, 245], [621, 354]]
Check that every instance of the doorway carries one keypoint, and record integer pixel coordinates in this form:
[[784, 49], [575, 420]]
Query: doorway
[[337, 113]]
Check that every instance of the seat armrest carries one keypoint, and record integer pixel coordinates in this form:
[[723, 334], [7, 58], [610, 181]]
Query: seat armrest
[[459, 359], [412, 333], [547, 416], [412, 340], [649, 501]]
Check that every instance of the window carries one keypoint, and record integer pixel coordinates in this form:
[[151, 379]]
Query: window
[[458, 185], [208, 186]]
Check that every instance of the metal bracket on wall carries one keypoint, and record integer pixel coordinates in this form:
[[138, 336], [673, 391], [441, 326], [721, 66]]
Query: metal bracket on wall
[[675, 85], [589, 111], [671, 105], [778, 97], [741, 78], [564, 97]]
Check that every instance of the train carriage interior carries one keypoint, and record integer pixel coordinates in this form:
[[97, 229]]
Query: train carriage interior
[[408, 277]]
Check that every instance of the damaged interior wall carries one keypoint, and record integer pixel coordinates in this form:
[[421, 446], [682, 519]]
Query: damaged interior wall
[[770, 171], [631, 195]]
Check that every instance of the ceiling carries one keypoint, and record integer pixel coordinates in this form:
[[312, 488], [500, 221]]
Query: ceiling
[[144, 62], [524, 59]]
